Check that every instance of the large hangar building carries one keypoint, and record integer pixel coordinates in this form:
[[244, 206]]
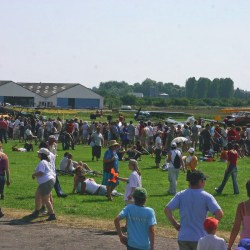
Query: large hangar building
[[61, 95]]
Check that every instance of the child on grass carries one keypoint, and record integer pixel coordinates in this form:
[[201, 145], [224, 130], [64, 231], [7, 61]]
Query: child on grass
[[211, 241], [140, 223], [133, 181]]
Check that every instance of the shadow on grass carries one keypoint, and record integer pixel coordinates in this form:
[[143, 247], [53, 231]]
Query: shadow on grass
[[159, 195], [26, 220], [24, 198], [152, 167], [222, 195], [95, 200]]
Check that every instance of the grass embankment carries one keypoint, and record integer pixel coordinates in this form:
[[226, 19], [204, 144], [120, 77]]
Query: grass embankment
[[96, 210]]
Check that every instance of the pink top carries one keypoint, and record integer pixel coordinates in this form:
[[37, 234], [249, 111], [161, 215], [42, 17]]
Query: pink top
[[246, 225]]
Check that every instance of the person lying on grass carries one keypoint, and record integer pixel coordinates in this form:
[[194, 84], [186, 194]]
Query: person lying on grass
[[26, 148], [83, 185]]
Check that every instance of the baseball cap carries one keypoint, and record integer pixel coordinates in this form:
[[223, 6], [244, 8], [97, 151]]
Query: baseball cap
[[210, 223], [140, 193], [52, 137], [191, 150], [43, 151]]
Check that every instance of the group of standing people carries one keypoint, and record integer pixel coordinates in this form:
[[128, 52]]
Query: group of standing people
[[196, 231]]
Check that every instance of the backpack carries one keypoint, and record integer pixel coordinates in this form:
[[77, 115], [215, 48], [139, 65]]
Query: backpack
[[177, 160]]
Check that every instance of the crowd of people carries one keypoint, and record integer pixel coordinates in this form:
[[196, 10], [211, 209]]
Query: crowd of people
[[174, 146]]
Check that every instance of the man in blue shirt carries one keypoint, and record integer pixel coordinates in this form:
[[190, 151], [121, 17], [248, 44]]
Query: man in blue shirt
[[193, 203], [140, 223]]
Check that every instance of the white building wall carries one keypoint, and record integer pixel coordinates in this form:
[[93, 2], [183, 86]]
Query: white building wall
[[79, 91]]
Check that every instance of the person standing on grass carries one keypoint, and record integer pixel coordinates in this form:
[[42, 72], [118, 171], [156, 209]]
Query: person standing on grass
[[52, 158], [4, 176], [3, 130], [174, 167], [231, 170], [206, 139], [98, 141], [110, 163], [133, 181], [46, 180], [193, 204], [242, 217], [158, 149], [140, 223], [190, 161]]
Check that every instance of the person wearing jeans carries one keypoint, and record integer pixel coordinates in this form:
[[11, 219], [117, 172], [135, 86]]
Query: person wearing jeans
[[173, 171], [231, 170]]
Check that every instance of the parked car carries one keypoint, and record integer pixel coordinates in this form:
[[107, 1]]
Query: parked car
[[126, 107], [241, 118]]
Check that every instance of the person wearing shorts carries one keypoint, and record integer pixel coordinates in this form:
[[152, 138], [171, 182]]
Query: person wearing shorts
[[46, 181]]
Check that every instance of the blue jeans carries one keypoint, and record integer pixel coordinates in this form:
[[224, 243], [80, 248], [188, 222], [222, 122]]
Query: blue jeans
[[2, 183], [58, 187], [233, 173]]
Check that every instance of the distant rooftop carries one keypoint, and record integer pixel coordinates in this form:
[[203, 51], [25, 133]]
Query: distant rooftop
[[4, 82], [47, 89]]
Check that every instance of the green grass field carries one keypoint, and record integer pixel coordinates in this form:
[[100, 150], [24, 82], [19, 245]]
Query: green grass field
[[20, 194]]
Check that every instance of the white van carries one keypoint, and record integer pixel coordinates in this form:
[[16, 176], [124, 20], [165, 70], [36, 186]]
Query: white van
[[126, 107]]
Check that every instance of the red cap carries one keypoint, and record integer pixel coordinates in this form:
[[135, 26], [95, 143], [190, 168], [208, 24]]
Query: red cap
[[210, 223]]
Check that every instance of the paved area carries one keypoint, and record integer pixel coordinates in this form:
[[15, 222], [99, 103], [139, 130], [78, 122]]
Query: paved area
[[18, 234]]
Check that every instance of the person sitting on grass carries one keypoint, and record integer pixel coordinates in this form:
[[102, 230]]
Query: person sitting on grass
[[29, 135], [211, 241], [68, 165], [133, 153]]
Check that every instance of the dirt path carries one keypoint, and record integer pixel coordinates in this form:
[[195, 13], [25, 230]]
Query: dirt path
[[20, 234]]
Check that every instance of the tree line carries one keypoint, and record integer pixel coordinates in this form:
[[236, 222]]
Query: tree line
[[202, 92]]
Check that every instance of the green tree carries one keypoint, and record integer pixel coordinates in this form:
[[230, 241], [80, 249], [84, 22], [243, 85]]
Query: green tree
[[128, 100], [202, 87], [191, 86]]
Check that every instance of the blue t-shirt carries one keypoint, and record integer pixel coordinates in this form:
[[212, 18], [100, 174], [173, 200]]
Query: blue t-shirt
[[193, 205], [108, 155], [139, 219]]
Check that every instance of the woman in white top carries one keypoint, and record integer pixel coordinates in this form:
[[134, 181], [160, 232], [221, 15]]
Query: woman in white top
[[133, 181], [46, 179]]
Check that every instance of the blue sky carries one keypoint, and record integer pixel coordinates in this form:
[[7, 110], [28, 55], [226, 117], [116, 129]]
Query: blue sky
[[93, 41]]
